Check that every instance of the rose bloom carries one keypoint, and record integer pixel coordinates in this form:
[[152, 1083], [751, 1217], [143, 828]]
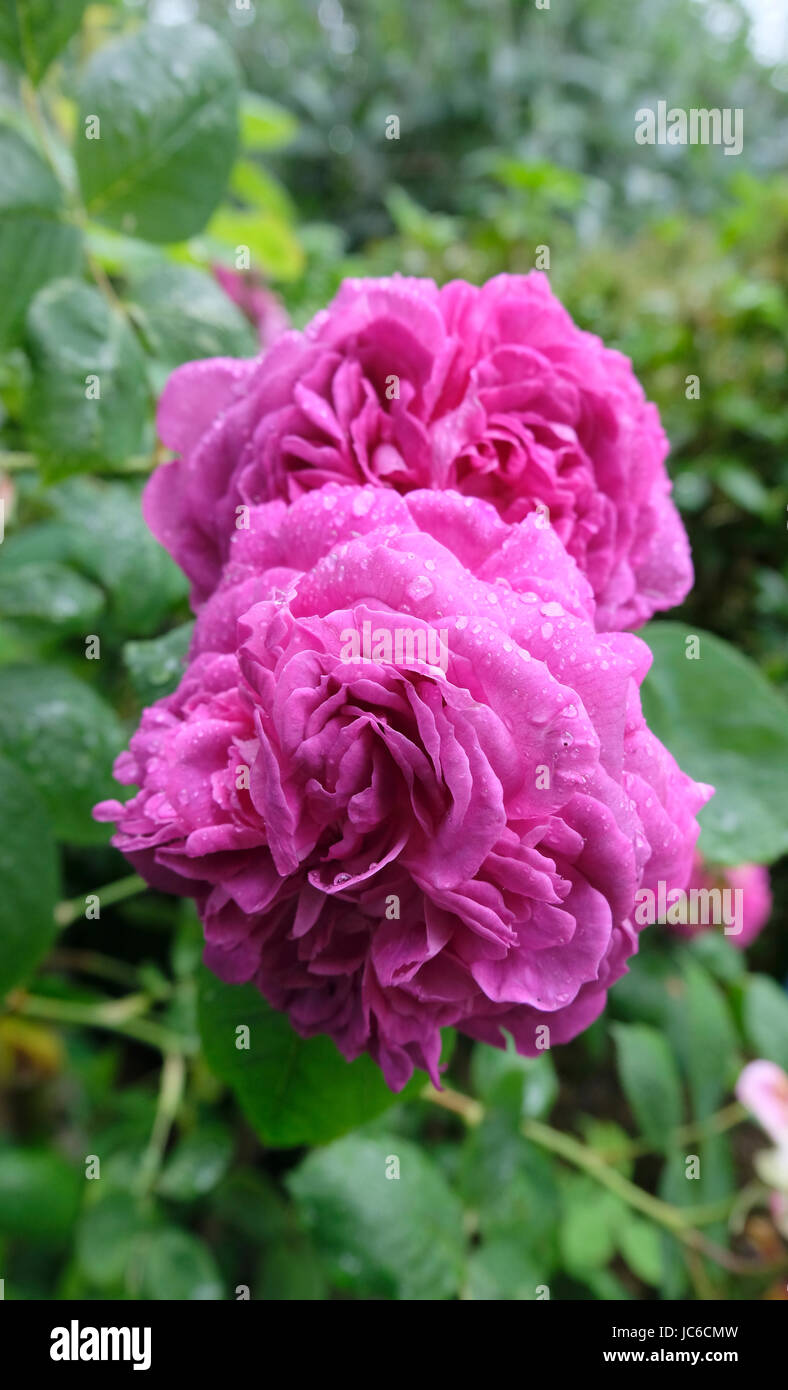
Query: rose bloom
[[748, 889], [260, 305], [406, 781], [763, 1089], [494, 392]]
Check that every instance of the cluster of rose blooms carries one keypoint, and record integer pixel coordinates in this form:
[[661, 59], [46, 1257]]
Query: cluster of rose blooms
[[386, 846]]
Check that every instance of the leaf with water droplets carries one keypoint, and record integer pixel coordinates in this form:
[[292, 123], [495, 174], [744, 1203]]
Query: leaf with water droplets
[[725, 724], [49, 595], [63, 737], [292, 1090], [29, 875], [33, 32], [166, 99]]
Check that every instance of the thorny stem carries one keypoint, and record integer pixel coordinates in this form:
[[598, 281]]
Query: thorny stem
[[681, 1223]]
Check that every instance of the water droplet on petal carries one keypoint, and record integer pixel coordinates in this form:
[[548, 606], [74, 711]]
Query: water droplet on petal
[[420, 587], [363, 502]]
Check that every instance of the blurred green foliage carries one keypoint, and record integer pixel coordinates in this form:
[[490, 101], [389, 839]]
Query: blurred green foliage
[[142, 1155]]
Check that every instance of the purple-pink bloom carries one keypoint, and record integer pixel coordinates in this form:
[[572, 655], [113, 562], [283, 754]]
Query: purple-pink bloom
[[261, 306], [747, 888], [491, 391], [406, 781], [763, 1089]]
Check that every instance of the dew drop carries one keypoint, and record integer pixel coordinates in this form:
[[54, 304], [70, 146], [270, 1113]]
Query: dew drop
[[420, 587], [363, 502]]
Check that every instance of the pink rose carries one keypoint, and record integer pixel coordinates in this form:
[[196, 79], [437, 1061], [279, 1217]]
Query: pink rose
[[745, 900], [763, 1089], [406, 781], [260, 305], [494, 392]]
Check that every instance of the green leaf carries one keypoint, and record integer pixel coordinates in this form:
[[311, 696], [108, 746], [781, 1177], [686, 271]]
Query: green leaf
[[590, 1224], [88, 402], [609, 1139], [274, 248], [30, 877], [197, 1165], [292, 1090], [177, 1266], [63, 737], [260, 190], [501, 1077], [27, 184], [50, 594], [640, 1244], [765, 1018], [167, 102], [156, 666], [510, 1185], [290, 1271], [35, 246], [39, 1195], [650, 1080], [43, 542], [33, 32], [725, 724], [502, 1270], [109, 540], [183, 314], [264, 124], [701, 1032], [401, 1237], [718, 955], [643, 994], [249, 1202], [106, 1238]]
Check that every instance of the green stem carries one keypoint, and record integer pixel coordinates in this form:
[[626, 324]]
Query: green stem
[[680, 1222], [70, 909], [718, 1123], [117, 1016], [20, 461], [16, 461], [36, 118], [116, 972], [566, 1146], [173, 1078]]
